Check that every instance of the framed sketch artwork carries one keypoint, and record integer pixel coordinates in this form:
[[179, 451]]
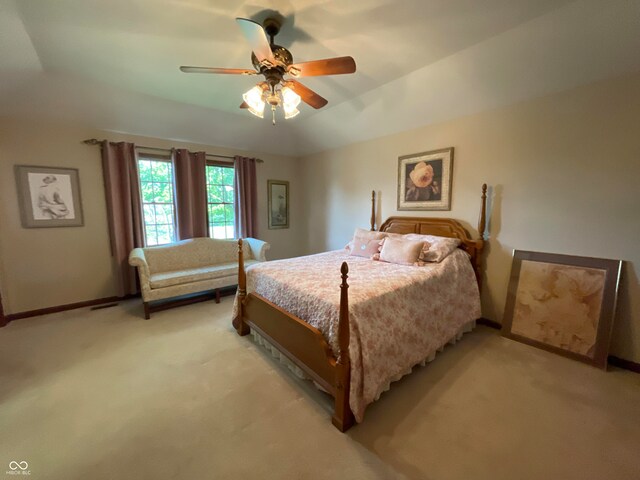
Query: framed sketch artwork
[[563, 303], [278, 191], [424, 180], [49, 196]]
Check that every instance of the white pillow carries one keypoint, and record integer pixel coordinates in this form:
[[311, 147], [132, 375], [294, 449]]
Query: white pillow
[[439, 247], [401, 250]]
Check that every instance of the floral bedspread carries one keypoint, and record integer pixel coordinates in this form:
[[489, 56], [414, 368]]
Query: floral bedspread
[[398, 315]]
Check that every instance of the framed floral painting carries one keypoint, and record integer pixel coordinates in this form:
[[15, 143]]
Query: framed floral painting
[[424, 180], [563, 303], [49, 196]]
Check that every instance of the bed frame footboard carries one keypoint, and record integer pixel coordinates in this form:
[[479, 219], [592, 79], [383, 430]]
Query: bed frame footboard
[[301, 343]]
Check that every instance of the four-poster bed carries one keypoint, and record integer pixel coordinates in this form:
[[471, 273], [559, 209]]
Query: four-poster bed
[[328, 363]]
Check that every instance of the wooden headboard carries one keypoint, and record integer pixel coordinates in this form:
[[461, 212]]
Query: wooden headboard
[[443, 227]]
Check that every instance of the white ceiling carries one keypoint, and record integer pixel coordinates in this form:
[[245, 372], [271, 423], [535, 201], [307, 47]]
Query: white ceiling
[[114, 64]]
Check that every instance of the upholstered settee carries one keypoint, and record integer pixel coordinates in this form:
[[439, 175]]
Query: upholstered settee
[[191, 266]]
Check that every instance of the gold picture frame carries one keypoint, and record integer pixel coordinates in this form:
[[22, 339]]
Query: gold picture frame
[[278, 209], [563, 303]]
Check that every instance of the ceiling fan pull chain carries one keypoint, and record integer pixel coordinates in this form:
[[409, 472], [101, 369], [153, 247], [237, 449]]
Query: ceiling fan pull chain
[[273, 114]]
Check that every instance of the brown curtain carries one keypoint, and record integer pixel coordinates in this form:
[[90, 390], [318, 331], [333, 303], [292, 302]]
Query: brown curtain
[[191, 193], [245, 200], [124, 210]]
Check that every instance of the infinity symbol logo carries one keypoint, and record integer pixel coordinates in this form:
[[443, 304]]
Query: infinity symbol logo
[[23, 465]]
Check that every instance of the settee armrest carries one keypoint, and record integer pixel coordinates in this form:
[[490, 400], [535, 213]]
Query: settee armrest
[[137, 259], [258, 248]]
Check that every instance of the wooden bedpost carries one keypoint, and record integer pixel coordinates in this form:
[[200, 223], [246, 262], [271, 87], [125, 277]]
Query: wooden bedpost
[[373, 210], [342, 416], [482, 225], [238, 322]]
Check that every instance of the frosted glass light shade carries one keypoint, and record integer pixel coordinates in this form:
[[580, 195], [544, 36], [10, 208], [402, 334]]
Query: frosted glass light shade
[[290, 113], [289, 97], [253, 98], [290, 102]]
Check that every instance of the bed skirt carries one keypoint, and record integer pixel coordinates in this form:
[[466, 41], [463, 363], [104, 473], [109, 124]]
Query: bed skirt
[[298, 372]]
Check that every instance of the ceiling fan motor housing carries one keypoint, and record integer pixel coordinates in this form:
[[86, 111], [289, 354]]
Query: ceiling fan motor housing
[[281, 54], [273, 74]]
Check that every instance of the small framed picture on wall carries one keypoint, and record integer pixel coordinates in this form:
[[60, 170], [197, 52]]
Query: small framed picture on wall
[[424, 180], [278, 193], [49, 196]]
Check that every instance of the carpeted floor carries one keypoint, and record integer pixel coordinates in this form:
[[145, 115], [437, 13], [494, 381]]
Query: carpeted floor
[[107, 395]]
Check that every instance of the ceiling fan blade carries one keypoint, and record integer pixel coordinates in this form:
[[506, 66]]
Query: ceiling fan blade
[[224, 71], [244, 105], [328, 66], [307, 95], [257, 38]]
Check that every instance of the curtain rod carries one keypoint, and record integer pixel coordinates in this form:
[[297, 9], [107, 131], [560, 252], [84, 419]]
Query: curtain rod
[[95, 141]]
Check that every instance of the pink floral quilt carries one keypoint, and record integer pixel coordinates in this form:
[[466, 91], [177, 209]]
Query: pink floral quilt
[[398, 315]]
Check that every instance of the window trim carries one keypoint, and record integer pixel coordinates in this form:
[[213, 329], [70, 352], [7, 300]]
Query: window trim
[[155, 157]]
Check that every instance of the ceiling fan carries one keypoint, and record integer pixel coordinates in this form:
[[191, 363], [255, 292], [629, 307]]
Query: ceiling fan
[[274, 62]]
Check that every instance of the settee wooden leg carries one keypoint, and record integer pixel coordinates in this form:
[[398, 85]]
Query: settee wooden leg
[[217, 295], [147, 311]]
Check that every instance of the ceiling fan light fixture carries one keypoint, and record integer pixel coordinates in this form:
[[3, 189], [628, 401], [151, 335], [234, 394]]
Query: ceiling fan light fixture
[[290, 113], [254, 99], [290, 98]]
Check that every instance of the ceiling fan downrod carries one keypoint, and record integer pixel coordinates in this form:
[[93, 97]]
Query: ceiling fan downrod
[[271, 28]]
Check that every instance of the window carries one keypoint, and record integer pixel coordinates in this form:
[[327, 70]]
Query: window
[[158, 200], [220, 200]]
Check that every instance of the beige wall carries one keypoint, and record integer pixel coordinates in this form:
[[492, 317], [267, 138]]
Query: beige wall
[[564, 172], [43, 267]]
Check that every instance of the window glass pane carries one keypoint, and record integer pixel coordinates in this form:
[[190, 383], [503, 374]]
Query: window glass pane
[[161, 171], [144, 167], [218, 231], [228, 213], [227, 176], [217, 214], [220, 201], [164, 234], [149, 214], [156, 191], [228, 194], [151, 235], [214, 193], [146, 189], [210, 175], [162, 192], [164, 214], [217, 175]]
